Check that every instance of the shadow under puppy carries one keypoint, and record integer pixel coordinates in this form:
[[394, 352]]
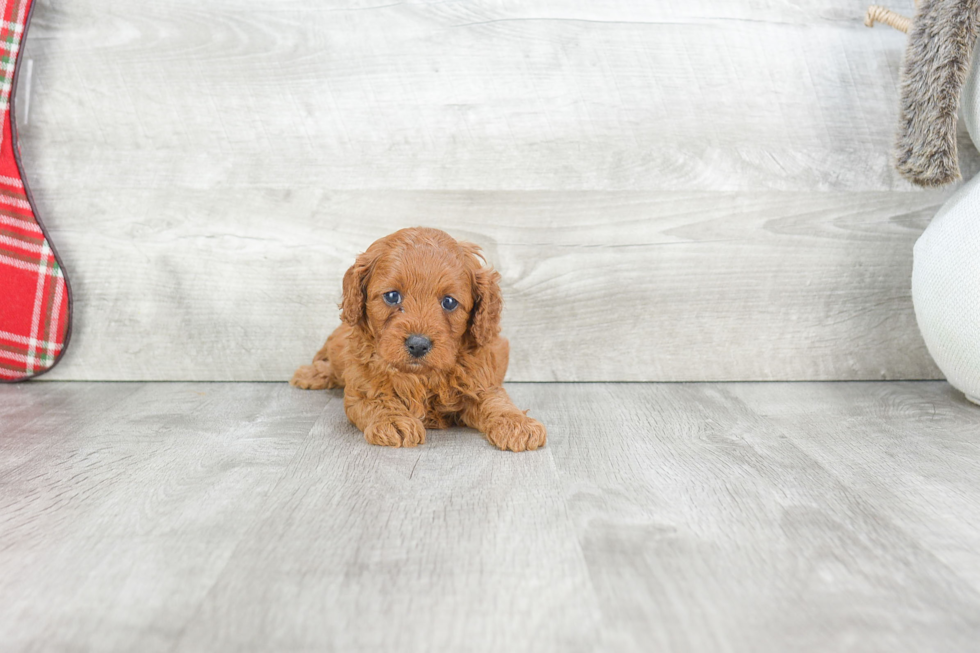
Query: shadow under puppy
[[419, 345]]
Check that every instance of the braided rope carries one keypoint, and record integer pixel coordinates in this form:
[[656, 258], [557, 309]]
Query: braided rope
[[878, 14]]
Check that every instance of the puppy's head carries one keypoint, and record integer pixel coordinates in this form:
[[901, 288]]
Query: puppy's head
[[422, 297]]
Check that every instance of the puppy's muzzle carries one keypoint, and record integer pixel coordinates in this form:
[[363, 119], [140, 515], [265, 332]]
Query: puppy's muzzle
[[418, 345]]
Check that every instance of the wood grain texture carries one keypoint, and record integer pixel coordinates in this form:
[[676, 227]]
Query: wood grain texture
[[676, 517], [708, 527], [699, 190], [597, 286], [453, 546], [572, 95], [120, 503], [922, 468]]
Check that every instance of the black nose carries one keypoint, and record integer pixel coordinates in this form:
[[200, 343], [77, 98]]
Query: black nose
[[418, 346]]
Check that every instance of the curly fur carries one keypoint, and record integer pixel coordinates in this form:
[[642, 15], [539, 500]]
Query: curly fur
[[390, 395], [937, 61]]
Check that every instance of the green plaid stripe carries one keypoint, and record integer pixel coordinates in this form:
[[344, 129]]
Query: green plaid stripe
[[24, 341], [22, 237], [10, 36], [13, 368], [27, 262], [13, 194], [53, 290], [15, 214], [46, 357]]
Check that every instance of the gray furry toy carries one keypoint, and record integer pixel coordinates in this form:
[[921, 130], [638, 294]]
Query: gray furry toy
[[936, 64]]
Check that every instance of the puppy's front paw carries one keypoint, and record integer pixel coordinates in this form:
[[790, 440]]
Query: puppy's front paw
[[396, 431], [517, 434], [312, 377]]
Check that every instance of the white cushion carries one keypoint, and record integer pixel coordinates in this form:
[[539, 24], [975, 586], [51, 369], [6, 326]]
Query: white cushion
[[946, 289]]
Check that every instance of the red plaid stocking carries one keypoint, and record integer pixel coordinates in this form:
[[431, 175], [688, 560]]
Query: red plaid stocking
[[34, 297]]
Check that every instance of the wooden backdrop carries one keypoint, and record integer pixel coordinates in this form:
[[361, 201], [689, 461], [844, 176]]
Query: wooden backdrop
[[672, 189]]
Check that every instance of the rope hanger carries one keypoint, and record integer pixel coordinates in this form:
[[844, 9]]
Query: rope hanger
[[879, 14]]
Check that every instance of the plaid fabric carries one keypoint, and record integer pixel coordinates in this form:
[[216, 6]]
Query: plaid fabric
[[33, 290]]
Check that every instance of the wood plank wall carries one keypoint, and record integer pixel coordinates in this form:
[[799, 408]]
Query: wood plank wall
[[672, 190]]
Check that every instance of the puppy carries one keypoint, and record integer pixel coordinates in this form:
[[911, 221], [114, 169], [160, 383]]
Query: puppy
[[419, 347]]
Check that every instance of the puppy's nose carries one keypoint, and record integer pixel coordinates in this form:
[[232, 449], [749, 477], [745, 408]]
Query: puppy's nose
[[418, 345]]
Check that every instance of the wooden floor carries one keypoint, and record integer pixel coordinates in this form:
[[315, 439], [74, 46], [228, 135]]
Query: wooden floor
[[684, 517]]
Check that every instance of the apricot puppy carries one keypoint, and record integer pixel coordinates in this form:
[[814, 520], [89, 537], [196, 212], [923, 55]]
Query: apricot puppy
[[419, 346]]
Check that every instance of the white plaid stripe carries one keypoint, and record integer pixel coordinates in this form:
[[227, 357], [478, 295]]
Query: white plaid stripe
[[49, 350], [20, 244], [21, 16], [20, 224], [5, 96], [10, 181], [12, 356], [33, 267], [22, 360], [38, 304], [13, 201], [22, 340], [12, 51]]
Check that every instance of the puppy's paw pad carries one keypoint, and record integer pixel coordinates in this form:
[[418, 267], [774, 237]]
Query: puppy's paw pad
[[400, 431], [312, 377], [518, 434]]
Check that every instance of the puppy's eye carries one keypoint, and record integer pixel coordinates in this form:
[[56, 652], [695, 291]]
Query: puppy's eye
[[392, 298], [449, 303]]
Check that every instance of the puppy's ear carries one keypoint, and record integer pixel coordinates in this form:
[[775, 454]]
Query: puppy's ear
[[487, 299], [352, 306], [488, 303]]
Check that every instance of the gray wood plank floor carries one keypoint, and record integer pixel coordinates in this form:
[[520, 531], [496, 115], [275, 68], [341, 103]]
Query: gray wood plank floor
[[674, 517]]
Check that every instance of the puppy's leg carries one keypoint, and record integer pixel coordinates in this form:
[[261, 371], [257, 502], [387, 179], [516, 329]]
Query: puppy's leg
[[506, 426], [320, 374], [383, 420], [316, 376]]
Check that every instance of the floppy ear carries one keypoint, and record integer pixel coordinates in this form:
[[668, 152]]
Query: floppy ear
[[355, 289], [488, 303], [487, 299]]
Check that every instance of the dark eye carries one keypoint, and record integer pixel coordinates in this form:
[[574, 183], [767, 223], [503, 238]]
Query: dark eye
[[449, 303], [392, 298]]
